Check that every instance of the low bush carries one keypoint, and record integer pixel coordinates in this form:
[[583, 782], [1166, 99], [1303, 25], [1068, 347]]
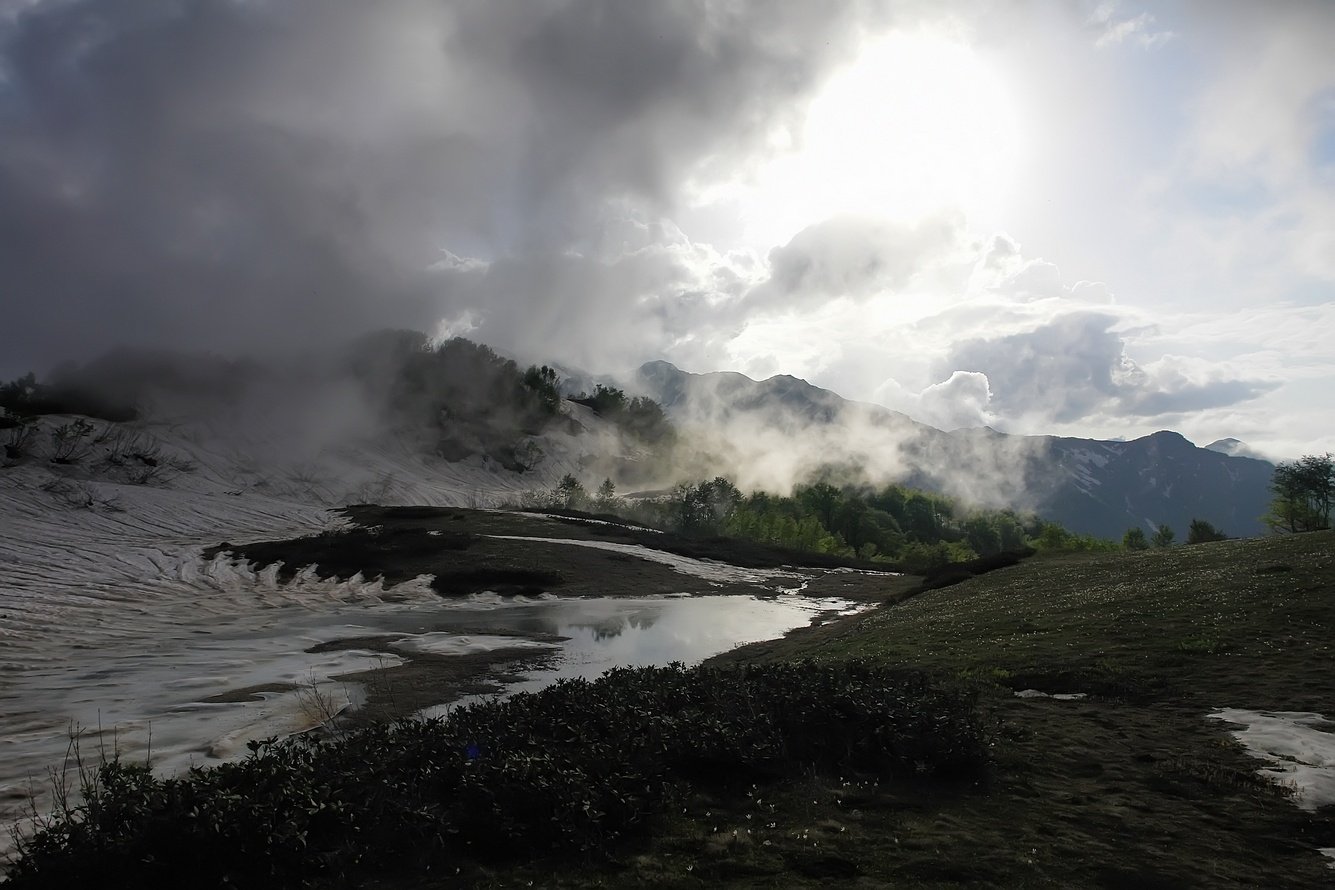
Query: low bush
[[955, 572], [578, 768]]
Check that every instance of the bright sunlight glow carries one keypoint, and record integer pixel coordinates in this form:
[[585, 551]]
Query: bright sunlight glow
[[916, 124]]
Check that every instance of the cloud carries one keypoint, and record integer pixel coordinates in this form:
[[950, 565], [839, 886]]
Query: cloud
[[1075, 367], [1139, 29], [1003, 270], [230, 175], [856, 257], [961, 401]]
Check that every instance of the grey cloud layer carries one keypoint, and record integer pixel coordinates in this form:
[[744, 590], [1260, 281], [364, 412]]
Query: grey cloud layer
[[213, 174], [1076, 366]]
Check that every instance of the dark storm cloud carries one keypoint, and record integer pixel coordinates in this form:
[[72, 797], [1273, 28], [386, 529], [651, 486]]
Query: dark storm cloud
[[221, 174], [1076, 366]]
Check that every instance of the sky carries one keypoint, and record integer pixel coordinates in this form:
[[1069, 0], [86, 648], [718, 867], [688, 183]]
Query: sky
[[1084, 218]]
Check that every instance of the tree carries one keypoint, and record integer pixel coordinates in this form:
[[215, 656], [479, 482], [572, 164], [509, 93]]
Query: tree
[[606, 498], [606, 401], [981, 534], [921, 522], [1135, 539], [1163, 536], [542, 383], [704, 508], [1303, 490], [822, 499], [1202, 531], [570, 493]]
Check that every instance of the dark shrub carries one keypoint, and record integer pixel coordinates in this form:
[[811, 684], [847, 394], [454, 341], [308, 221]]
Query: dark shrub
[[580, 767]]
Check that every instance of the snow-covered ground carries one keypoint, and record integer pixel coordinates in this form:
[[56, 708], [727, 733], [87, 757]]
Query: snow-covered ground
[[113, 626]]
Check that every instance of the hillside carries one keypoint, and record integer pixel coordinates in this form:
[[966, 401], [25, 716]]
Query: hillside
[[1163, 675], [782, 429]]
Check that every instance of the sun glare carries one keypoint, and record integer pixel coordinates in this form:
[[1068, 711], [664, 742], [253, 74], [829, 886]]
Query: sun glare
[[916, 124]]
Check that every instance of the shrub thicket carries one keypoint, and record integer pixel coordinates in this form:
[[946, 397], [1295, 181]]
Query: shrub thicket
[[581, 767]]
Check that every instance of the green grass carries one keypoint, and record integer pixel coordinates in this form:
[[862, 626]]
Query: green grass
[[1131, 786], [1204, 623]]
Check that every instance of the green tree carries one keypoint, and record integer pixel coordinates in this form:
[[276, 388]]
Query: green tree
[[822, 499], [704, 508], [980, 533], [1303, 490], [1053, 537], [921, 522], [1202, 531], [1135, 539], [1163, 536]]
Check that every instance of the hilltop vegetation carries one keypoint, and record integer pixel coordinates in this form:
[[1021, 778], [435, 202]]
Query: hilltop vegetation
[[460, 397], [914, 530]]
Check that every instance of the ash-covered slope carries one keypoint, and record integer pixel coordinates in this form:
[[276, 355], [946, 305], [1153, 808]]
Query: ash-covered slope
[[785, 425]]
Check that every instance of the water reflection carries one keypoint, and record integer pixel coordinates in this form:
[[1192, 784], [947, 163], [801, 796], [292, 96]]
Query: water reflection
[[604, 633]]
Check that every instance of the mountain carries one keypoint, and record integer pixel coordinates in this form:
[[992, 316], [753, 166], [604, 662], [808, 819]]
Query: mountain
[[1234, 448], [782, 430]]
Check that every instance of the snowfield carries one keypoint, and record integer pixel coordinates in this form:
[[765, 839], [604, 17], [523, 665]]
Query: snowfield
[[114, 628]]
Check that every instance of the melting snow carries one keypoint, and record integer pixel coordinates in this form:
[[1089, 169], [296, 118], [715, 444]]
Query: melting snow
[[441, 643], [1057, 696], [1299, 754], [111, 620], [707, 569]]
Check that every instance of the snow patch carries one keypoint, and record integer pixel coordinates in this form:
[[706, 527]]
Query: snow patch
[[707, 569], [1056, 696], [441, 643], [1300, 755], [588, 521]]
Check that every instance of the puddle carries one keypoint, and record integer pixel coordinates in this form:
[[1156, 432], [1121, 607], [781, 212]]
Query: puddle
[[605, 633]]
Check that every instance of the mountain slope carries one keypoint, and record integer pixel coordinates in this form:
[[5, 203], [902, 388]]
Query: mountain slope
[[778, 431]]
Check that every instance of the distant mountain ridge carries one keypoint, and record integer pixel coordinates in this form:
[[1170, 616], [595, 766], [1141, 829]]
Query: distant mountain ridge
[[1090, 486]]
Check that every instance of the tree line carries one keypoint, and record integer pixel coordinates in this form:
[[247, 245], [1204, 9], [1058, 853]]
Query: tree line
[[917, 530]]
